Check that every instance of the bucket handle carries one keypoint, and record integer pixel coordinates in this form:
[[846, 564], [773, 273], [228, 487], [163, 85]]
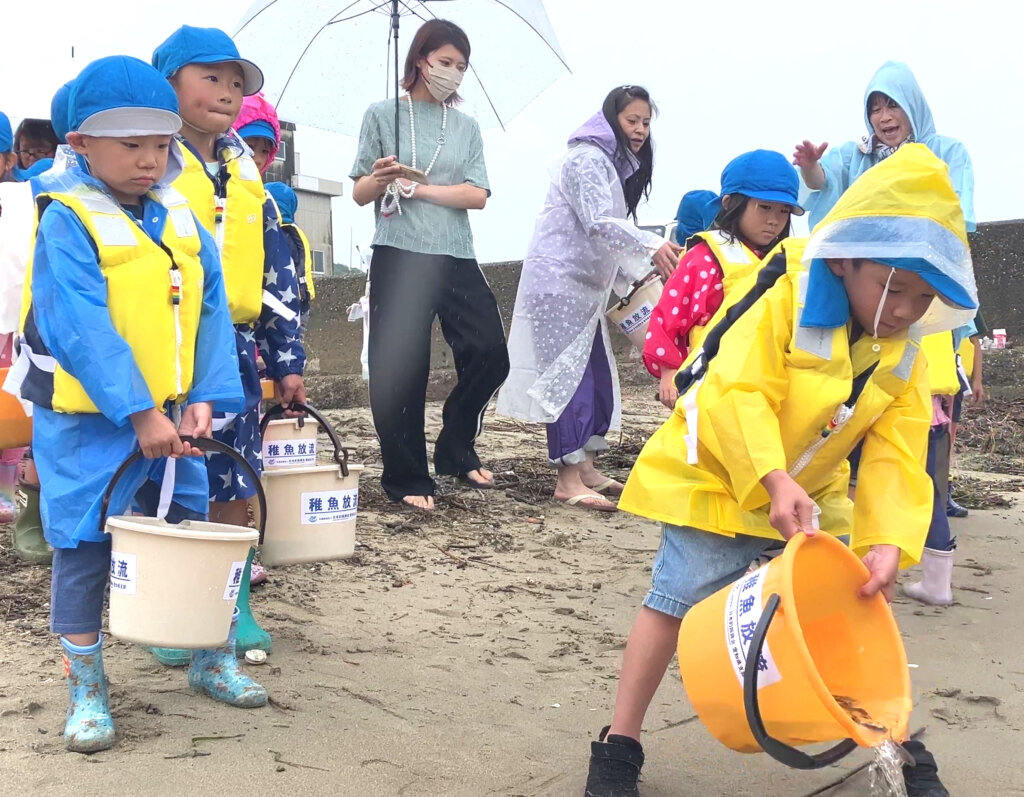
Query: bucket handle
[[625, 300], [780, 751], [340, 452], [204, 444]]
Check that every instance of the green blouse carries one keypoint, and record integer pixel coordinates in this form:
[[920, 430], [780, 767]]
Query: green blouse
[[423, 226]]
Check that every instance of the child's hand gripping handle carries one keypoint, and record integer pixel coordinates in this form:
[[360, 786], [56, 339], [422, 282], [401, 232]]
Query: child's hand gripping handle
[[205, 444]]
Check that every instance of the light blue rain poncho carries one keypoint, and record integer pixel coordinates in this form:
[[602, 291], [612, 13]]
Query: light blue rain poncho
[[844, 164]]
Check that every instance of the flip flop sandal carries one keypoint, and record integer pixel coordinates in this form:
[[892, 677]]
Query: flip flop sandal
[[582, 500], [464, 478], [607, 486], [405, 505]]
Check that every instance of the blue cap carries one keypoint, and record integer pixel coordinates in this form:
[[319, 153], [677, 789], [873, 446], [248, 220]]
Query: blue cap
[[695, 214], [189, 45], [765, 175], [948, 288], [6, 134], [257, 129], [122, 96], [59, 112], [286, 200]]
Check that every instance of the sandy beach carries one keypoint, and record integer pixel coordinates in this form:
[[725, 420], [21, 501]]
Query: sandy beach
[[475, 652]]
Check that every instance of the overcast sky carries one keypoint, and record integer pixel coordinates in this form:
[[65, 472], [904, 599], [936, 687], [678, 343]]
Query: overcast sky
[[759, 75]]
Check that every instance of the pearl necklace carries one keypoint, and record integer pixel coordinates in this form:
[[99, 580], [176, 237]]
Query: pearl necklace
[[391, 201]]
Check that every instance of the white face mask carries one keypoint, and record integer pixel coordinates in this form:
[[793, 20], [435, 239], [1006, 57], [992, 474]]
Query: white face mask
[[442, 81]]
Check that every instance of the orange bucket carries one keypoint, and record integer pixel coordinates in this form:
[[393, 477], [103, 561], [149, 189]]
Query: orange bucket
[[814, 644], [15, 426]]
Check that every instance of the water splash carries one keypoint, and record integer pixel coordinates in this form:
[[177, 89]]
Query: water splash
[[886, 771]]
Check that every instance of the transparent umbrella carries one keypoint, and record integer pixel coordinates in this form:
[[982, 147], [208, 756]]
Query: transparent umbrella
[[325, 61]]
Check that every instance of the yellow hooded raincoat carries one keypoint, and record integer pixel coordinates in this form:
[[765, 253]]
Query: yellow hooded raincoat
[[773, 397]]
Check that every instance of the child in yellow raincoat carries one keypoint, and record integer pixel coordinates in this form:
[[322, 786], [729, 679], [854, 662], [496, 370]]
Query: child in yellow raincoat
[[827, 357]]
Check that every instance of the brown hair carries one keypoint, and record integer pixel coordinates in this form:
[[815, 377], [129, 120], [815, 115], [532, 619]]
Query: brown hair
[[431, 36]]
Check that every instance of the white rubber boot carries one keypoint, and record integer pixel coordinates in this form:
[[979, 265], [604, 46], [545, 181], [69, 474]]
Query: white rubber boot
[[936, 588]]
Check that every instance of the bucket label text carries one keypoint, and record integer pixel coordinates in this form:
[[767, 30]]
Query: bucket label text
[[742, 612], [331, 506], [235, 573], [289, 453], [637, 318], [124, 574]]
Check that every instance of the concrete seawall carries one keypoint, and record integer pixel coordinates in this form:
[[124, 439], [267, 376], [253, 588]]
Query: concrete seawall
[[334, 344]]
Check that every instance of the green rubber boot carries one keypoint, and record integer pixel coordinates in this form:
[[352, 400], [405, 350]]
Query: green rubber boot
[[172, 657], [27, 532], [249, 635]]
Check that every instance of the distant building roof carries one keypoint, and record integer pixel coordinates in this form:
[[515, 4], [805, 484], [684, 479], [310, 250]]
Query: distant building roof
[[317, 185]]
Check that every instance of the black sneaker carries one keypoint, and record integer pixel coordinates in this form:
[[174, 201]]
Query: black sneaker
[[923, 779], [953, 509], [615, 764]]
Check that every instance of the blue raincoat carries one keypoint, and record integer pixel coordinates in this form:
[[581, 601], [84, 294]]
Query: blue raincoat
[[844, 164], [77, 454]]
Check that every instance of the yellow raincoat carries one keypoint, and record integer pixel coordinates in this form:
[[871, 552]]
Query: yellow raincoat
[[772, 395]]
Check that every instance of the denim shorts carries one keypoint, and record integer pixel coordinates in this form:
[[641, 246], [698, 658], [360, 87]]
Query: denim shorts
[[692, 564]]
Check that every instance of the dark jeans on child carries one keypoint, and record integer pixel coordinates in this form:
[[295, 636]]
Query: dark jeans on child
[[408, 291]]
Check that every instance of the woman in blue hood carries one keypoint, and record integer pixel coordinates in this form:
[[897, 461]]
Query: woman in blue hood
[[896, 113]]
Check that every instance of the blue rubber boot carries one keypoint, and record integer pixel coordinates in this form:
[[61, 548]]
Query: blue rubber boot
[[172, 657], [89, 727], [215, 672], [249, 634]]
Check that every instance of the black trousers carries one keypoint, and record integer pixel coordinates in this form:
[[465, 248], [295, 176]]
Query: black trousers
[[407, 292]]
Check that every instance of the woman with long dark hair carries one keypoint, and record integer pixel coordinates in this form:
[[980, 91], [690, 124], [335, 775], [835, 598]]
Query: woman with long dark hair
[[584, 246], [424, 267]]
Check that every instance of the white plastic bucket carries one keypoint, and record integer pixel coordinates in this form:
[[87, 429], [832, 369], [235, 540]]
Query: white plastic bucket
[[632, 313], [175, 585], [311, 511], [289, 443], [311, 514]]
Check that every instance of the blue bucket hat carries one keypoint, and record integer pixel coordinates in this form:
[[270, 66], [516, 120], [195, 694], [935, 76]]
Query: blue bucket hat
[[695, 214], [6, 134], [765, 175], [257, 129], [122, 96], [286, 200], [190, 45], [59, 109]]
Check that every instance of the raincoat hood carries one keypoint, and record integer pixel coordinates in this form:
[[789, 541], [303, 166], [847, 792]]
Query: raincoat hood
[[598, 132], [258, 108], [286, 200], [903, 212], [895, 80]]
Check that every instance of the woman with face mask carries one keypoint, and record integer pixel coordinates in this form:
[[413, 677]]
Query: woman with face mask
[[424, 267]]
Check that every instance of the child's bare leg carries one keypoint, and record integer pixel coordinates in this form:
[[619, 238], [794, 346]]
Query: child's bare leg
[[652, 641], [234, 513], [83, 640]]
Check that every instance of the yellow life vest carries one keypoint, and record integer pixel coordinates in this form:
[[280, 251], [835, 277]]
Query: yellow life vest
[[736, 260], [142, 283], [308, 254], [966, 352], [774, 397], [236, 224], [938, 350]]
